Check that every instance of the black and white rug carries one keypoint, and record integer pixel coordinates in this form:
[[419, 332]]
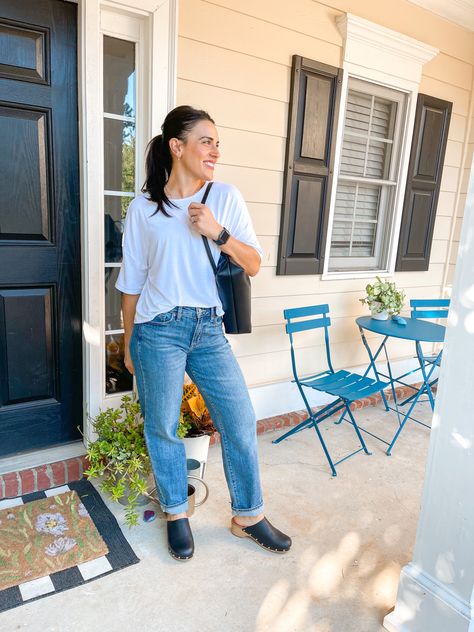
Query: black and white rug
[[119, 556]]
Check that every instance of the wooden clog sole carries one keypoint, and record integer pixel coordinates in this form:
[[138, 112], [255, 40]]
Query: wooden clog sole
[[240, 533], [180, 559]]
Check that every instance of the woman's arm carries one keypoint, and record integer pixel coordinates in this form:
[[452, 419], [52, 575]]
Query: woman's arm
[[245, 256], [129, 306], [204, 222]]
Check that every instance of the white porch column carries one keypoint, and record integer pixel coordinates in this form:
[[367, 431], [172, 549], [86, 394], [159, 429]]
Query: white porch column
[[436, 590]]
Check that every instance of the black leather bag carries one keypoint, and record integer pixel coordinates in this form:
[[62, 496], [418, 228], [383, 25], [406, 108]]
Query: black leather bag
[[233, 287]]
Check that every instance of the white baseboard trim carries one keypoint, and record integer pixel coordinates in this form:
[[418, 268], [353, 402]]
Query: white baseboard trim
[[424, 603], [270, 400]]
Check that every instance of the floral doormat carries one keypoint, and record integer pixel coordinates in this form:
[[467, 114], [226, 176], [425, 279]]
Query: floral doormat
[[46, 536], [58, 539]]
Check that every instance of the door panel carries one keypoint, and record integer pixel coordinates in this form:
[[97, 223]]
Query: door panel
[[40, 310], [27, 321], [23, 52], [25, 173]]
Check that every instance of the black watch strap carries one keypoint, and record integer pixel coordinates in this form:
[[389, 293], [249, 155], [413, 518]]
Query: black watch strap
[[223, 237]]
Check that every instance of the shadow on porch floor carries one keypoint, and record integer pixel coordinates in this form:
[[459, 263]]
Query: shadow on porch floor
[[351, 535]]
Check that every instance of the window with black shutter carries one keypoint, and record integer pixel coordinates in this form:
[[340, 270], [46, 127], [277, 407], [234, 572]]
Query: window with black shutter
[[366, 202]]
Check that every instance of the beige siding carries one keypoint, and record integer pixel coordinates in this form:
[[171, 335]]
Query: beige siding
[[234, 60]]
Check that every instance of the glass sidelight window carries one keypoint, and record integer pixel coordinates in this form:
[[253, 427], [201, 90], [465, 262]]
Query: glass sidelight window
[[119, 85]]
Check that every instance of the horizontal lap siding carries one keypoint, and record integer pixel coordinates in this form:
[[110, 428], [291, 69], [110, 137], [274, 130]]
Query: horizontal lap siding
[[458, 218], [234, 59]]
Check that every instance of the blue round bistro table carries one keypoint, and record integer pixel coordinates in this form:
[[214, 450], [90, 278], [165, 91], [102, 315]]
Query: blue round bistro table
[[417, 330]]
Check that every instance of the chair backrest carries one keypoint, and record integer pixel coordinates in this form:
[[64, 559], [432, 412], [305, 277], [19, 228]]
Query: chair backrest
[[297, 320], [430, 308]]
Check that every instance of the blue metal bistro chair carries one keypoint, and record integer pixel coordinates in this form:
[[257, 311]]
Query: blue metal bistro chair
[[429, 309], [344, 386]]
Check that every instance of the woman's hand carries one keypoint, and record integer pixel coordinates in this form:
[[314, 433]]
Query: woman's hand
[[203, 220], [127, 360], [129, 306]]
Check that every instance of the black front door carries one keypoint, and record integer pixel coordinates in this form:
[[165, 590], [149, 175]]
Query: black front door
[[40, 286]]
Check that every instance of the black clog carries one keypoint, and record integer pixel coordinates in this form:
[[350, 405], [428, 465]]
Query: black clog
[[180, 539], [264, 534]]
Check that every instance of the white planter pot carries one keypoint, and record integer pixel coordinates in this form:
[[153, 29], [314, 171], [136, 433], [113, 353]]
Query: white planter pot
[[197, 447], [380, 315]]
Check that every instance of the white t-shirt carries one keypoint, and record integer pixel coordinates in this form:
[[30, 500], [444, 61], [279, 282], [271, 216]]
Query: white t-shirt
[[164, 258]]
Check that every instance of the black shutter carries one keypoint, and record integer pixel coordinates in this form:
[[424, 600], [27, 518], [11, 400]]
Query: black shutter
[[430, 135], [309, 165]]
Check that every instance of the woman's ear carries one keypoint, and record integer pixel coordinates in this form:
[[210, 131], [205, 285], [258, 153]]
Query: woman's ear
[[175, 147]]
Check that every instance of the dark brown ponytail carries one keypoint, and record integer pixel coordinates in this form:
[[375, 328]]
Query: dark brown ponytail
[[177, 124]]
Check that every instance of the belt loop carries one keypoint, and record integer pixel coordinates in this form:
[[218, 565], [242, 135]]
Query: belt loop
[[179, 312]]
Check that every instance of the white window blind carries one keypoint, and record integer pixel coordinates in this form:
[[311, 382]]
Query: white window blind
[[367, 176]]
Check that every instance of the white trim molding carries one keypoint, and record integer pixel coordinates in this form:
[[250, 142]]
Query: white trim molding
[[460, 12], [376, 52], [383, 56]]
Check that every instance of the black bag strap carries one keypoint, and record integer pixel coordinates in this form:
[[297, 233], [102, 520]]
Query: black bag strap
[[206, 192], [205, 240]]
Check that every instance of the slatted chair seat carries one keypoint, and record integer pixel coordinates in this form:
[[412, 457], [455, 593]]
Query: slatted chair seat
[[351, 386], [345, 386]]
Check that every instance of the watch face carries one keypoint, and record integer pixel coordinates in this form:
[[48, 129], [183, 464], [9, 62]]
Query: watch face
[[223, 237]]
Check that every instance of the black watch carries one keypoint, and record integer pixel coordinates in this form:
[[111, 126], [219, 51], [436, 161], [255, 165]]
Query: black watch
[[223, 237]]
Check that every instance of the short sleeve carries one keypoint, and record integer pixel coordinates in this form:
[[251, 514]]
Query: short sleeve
[[134, 270], [240, 223]]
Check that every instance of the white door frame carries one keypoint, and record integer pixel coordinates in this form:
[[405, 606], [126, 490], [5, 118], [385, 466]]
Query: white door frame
[[156, 26]]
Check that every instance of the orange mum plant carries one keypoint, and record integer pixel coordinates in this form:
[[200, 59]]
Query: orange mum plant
[[195, 419]]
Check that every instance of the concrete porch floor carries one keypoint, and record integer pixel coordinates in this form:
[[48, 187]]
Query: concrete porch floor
[[351, 535]]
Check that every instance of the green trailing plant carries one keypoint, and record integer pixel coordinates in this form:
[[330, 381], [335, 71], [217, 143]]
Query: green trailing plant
[[119, 455], [384, 296]]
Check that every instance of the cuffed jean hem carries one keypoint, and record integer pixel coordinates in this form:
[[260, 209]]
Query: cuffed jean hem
[[255, 511], [175, 509]]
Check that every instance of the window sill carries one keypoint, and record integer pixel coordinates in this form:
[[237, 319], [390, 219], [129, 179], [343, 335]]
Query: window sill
[[352, 274]]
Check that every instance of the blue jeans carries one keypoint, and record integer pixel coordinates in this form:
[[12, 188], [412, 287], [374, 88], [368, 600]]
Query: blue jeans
[[192, 339]]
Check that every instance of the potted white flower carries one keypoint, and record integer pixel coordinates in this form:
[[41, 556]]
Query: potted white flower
[[383, 299]]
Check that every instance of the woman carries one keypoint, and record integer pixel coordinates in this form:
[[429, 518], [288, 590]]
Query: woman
[[173, 321]]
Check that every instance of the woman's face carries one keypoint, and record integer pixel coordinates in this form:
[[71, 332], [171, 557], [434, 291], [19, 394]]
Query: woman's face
[[199, 153]]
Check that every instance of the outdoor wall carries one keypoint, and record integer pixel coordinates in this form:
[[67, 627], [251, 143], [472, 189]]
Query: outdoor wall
[[459, 215], [234, 59]]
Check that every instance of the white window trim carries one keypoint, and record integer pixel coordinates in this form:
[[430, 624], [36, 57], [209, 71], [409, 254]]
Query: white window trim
[[396, 62], [158, 21], [394, 167]]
